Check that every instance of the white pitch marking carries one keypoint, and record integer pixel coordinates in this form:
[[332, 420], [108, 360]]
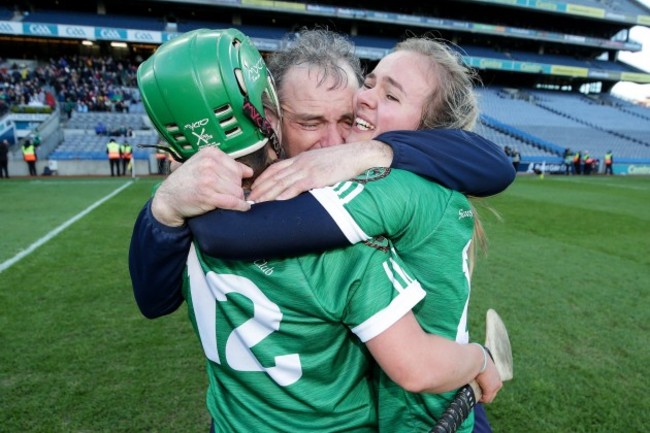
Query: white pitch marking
[[8, 263]]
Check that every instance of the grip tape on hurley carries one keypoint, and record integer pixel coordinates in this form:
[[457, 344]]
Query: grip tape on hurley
[[457, 412]]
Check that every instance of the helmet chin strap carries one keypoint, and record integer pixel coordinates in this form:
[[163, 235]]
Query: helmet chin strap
[[264, 126]]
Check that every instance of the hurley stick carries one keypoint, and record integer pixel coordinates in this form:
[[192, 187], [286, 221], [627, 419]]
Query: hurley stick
[[497, 340]]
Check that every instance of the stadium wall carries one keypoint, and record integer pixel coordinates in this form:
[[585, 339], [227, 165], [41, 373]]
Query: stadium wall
[[142, 167]]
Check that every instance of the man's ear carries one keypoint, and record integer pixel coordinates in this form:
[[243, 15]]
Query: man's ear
[[275, 122]]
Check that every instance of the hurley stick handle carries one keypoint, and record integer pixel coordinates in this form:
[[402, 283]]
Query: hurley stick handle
[[459, 409]]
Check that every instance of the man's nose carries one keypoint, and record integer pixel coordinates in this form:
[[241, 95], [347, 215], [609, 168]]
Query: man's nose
[[332, 135]]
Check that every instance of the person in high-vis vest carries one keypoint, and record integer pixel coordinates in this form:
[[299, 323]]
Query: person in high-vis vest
[[577, 158], [127, 154], [161, 157], [29, 155], [609, 162], [587, 163], [114, 156]]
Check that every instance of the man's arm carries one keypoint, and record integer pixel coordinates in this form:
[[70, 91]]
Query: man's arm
[[161, 241], [157, 258], [270, 229]]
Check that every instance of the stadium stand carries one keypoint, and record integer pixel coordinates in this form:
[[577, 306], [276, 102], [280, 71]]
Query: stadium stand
[[112, 121], [88, 146], [566, 121], [547, 71]]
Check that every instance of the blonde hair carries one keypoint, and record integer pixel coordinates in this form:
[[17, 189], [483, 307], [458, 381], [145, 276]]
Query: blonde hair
[[451, 105]]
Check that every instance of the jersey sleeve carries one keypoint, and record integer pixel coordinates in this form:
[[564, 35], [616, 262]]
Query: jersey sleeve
[[368, 285], [270, 229], [403, 293], [157, 258], [459, 160], [393, 203]]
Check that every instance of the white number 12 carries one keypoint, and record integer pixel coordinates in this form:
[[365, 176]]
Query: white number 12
[[207, 289]]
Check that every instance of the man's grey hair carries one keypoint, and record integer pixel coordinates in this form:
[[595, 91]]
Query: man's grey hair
[[326, 51]]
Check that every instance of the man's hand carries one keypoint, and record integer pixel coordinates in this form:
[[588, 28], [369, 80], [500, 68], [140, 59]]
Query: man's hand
[[319, 167], [210, 179]]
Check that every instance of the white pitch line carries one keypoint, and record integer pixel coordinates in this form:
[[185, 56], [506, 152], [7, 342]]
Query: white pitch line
[[8, 263]]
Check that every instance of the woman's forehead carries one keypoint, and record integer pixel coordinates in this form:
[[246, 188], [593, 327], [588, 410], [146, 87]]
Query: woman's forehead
[[411, 70]]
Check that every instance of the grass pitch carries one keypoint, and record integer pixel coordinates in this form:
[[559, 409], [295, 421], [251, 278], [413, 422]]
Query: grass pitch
[[568, 270]]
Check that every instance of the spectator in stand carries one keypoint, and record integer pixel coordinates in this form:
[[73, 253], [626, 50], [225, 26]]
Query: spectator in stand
[[609, 162], [100, 129], [121, 131], [161, 157], [4, 159], [80, 83], [82, 107], [568, 161], [29, 156]]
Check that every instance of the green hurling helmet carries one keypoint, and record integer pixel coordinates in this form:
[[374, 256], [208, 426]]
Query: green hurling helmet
[[205, 88]]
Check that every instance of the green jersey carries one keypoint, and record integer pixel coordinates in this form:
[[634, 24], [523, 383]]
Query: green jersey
[[284, 338], [431, 228]]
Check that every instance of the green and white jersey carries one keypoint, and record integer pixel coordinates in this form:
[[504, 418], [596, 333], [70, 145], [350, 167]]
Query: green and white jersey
[[431, 229], [284, 338]]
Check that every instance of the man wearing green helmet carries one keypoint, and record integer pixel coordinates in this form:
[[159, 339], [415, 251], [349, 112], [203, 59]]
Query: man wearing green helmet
[[188, 65], [324, 387]]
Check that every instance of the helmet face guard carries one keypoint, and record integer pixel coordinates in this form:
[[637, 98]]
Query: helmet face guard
[[205, 88]]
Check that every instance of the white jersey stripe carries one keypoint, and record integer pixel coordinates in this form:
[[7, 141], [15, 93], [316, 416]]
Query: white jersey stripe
[[391, 277], [401, 272], [342, 189], [384, 319], [348, 198], [330, 200]]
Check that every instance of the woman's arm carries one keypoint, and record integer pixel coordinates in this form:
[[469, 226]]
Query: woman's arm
[[421, 362], [456, 159]]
